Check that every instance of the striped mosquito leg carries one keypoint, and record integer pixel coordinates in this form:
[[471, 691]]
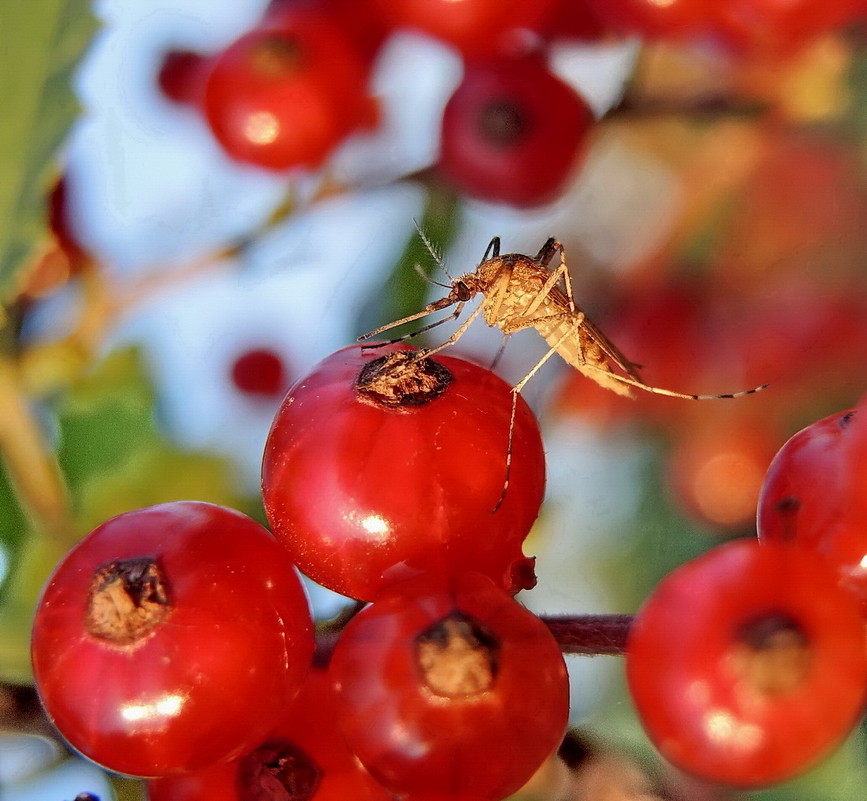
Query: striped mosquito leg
[[516, 390]]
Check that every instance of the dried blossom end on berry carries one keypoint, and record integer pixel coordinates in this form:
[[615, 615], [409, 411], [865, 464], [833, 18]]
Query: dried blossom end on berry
[[128, 599], [402, 379]]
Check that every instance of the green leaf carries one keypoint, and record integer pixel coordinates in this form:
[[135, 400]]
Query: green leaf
[[36, 562], [116, 458], [156, 474], [105, 417], [13, 529], [40, 45]]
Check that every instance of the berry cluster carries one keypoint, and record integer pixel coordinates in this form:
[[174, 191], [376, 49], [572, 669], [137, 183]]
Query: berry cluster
[[767, 672], [287, 93], [172, 641]]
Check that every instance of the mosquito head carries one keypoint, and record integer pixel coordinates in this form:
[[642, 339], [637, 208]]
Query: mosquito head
[[462, 291]]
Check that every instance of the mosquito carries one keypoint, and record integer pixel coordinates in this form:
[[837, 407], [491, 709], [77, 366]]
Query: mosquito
[[518, 292]]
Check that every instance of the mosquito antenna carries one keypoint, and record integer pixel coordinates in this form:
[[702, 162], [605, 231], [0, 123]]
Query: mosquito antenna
[[434, 251], [425, 277]]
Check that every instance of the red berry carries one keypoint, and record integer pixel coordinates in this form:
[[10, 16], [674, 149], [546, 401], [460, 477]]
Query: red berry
[[449, 688], [747, 664], [59, 220], [305, 756], [260, 371], [675, 19], [170, 638], [364, 494], [182, 76], [285, 94], [365, 30], [802, 496], [813, 495], [573, 19], [513, 132], [478, 28]]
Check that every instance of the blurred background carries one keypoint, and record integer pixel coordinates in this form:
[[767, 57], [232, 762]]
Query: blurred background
[[164, 282]]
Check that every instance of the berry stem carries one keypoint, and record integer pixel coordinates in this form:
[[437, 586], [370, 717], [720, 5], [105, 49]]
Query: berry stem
[[591, 635]]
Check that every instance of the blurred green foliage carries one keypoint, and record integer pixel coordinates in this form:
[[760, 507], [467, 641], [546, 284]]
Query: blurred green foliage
[[40, 45]]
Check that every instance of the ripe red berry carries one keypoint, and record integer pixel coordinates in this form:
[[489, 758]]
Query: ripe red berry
[[260, 372], [365, 491], [747, 665], [813, 494], [304, 759], [675, 19], [449, 688], [803, 494], [573, 19], [513, 132], [285, 94], [182, 75], [476, 27], [170, 638]]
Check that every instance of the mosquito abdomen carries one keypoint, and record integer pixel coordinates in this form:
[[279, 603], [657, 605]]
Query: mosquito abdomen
[[579, 350]]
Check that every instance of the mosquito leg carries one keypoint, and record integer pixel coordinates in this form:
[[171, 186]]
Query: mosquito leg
[[545, 291], [499, 354], [522, 321], [544, 256], [454, 337], [670, 392], [492, 250], [508, 475], [516, 390], [453, 316], [567, 283]]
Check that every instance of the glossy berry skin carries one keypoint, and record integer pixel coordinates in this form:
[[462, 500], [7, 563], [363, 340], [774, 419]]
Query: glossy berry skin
[[363, 495], [284, 95], [321, 760], [416, 738], [211, 678], [813, 494], [726, 711], [802, 497], [475, 27], [512, 132]]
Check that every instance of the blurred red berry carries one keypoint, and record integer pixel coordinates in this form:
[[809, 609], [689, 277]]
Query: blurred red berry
[[513, 132]]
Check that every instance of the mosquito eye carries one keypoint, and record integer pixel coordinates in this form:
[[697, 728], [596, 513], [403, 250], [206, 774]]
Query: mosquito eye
[[463, 291]]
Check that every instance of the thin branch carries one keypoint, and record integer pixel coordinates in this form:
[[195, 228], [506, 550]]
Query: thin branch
[[30, 461], [591, 635]]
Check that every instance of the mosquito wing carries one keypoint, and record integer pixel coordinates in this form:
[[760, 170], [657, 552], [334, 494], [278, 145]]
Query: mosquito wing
[[611, 350], [583, 346]]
